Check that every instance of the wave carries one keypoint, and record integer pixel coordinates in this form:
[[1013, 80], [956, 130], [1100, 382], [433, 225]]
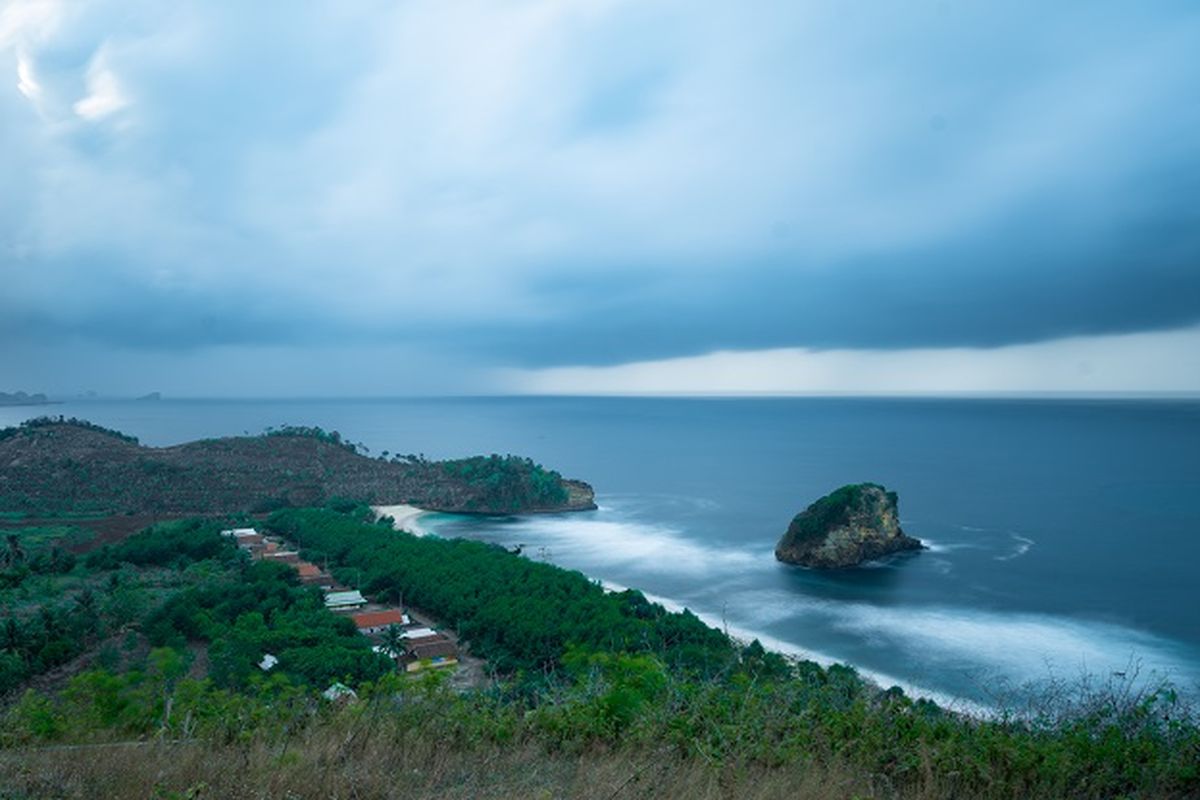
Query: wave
[[935, 546], [745, 635], [1023, 545], [952, 654], [633, 503], [980, 648], [603, 540], [599, 540]]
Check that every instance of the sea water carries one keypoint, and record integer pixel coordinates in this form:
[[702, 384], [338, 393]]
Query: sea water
[[1064, 535]]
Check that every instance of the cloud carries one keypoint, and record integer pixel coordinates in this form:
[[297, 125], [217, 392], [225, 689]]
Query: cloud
[[105, 96], [1146, 362], [26, 82], [538, 183]]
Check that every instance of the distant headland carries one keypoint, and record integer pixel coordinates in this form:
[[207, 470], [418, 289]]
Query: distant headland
[[54, 465], [24, 399]]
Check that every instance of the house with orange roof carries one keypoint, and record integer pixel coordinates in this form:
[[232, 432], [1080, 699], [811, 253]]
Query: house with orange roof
[[310, 573], [376, 622]]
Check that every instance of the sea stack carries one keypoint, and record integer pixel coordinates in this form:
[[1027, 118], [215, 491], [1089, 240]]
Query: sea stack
[[846, 527]]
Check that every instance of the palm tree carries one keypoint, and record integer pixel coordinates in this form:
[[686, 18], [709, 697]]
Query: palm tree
[[392, 641], [11, 633], [86, 616], [13, 554]]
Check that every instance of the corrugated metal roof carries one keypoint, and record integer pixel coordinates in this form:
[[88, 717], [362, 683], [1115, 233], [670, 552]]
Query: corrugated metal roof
[[345, 598], [420, 633]]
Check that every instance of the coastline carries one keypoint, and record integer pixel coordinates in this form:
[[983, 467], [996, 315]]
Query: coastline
[[794, 653], [405, 518]]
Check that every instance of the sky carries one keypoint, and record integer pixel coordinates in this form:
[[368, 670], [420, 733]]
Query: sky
[[599, 196]]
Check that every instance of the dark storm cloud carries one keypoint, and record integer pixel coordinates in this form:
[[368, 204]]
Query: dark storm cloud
[[540, 183], [1029, 280]]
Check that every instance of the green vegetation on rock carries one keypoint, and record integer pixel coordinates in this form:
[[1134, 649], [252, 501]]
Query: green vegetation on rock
[[846, 527], [832, 510], [509, 482]]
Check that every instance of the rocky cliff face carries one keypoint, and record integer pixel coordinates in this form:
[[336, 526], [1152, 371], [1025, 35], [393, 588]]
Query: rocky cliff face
[[851, 525]]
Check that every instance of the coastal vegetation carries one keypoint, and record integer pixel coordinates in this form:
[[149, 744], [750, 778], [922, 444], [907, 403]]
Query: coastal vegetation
[[57, 466], [593, 693], [510, 482], [523, 616], [834, 509], [38, 423]]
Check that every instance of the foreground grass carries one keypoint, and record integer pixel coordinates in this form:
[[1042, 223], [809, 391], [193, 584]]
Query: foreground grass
[[608, 733], [375, 766]]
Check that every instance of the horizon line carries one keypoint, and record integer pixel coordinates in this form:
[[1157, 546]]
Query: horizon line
[[58, 399]]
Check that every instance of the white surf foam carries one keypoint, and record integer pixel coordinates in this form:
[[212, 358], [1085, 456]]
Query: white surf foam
[[935, 546], [745, 635], [1020, 647], [404, 518], [1022, 547], [992, 650], [603, 540]]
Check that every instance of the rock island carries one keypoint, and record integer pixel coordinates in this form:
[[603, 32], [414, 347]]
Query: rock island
[[846, 527]]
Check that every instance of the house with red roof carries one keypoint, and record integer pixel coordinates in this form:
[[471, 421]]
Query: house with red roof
[[376, 622]]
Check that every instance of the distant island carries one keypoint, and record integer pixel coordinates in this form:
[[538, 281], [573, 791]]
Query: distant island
[[24, 399], [54, 465], [846, 527]]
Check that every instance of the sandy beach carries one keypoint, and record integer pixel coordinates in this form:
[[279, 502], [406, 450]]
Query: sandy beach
[[406, 518]]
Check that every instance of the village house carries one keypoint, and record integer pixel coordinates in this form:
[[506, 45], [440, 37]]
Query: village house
[[255, 549], [371, 623], [339, 692], [415, 635], [344, 600], [439, 653], [311, 574], [238, 533], [246, 538]]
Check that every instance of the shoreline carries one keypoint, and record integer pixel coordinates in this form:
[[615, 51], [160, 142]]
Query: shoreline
[[795, 653], [405, 518]]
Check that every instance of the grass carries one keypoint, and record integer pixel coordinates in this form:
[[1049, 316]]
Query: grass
[[408, 738], [355, 761], [45, 535]]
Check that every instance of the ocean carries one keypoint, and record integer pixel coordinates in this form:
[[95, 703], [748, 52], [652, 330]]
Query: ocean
[[1064, 534]]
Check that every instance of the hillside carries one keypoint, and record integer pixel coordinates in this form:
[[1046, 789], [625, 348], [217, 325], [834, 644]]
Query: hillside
[[57, 466], [135, 672]]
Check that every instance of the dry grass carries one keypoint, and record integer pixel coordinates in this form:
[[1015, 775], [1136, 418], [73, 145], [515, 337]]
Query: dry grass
[[383, 767]]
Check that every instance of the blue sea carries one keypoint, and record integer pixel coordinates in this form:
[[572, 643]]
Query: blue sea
[[1064, 534]]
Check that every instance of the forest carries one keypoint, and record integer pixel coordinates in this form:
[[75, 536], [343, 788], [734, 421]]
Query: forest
[[509, 482], [166, 627]]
